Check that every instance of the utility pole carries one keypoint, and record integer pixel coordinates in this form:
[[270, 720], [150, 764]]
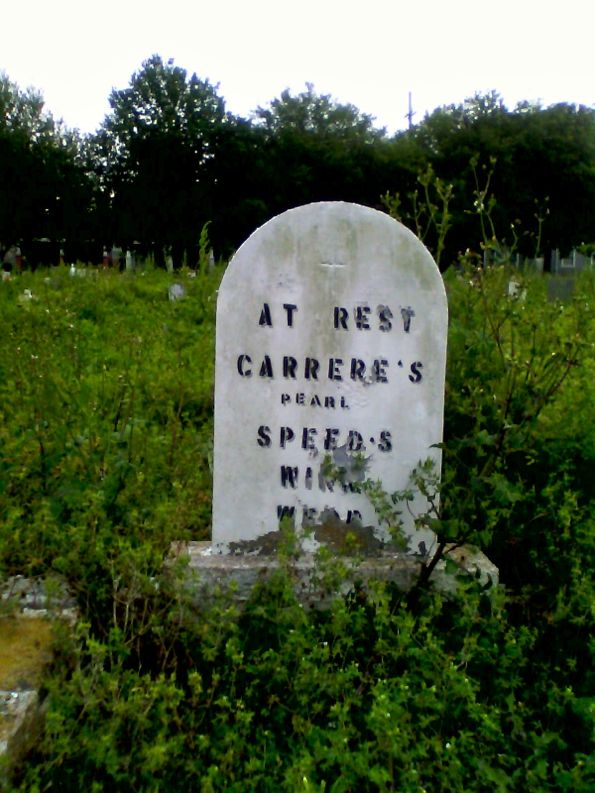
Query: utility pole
[[410, 112]]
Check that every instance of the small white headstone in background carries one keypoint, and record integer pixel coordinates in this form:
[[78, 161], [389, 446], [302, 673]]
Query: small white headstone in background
[[331, 345], [515, 290], [176, 292], [116, 254]]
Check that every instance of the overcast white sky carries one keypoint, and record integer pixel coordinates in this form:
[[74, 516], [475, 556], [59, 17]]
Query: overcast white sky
[[370, 53]]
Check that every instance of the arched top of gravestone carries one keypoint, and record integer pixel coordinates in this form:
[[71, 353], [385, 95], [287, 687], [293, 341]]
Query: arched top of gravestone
[[335, 242]]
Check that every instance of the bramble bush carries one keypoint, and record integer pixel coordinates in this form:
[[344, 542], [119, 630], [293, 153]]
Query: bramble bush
[[106, 442]]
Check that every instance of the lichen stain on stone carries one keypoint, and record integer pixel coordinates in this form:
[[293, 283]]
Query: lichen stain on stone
[[265, 545], [343, 537], [25, 649]]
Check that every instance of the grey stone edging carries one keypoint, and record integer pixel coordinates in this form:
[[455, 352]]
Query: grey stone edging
[[19, 717], [209, 572], [21, 710], [37, 597]]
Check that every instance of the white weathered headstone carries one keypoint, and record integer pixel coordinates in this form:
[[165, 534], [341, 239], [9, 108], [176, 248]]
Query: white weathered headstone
[[331, 344]]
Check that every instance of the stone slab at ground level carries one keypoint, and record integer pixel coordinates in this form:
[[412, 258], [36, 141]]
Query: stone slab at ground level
[[29, 607], [209, 572]]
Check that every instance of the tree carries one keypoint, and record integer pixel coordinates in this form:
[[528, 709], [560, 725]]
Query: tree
[[155, 155], [319, 150], [320, 115], [22, 112], [554, 156], [515, 163], [43, 184]]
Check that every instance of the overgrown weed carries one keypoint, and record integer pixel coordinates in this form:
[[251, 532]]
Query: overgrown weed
[[106, 436]]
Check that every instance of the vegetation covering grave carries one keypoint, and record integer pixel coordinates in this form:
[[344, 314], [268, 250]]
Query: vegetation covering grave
[[106, 433]]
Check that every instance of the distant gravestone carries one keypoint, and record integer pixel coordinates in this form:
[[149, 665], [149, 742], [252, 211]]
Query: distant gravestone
[[331, 346], [176, 292]]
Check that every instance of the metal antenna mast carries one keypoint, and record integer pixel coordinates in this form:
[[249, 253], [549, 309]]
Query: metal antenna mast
[[409, 115]]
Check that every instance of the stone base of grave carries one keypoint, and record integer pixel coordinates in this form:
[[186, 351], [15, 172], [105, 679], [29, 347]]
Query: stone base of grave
[[20, 723], [29, 607], [209, 573]]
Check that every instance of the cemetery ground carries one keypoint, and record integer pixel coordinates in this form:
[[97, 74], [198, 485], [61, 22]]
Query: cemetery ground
[[106, 433]]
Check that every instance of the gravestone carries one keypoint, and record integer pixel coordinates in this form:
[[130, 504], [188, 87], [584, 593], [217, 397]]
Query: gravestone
[[176, 292], [331, 349]]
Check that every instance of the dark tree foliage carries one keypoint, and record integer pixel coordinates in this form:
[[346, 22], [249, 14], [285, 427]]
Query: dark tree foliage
[[320, 115], [241, 197], [168, 158], [300, 149], [156, 153], [44, 190], [554, 157], [542, 158], [321, 150]]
